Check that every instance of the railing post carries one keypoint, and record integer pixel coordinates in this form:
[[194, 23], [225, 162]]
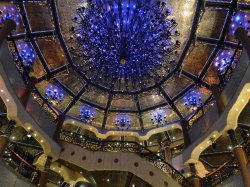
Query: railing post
[[59, 125], [217, 95], [241, 158], [4, 142], [241, 35], [167, 151], [28, 90], [195, 180], [184, 126], [43, 178], [8, 26]]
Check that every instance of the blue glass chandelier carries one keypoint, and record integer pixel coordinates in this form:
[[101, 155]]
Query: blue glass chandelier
[[9, 12], [27, 54], [241, 19], [53, 94], [193, 100], [124, 43], [122, 122], [158, 119], [223, 61], [87, 114]]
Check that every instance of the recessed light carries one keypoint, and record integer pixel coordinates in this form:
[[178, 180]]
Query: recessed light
[[108, 180], [242, 100], [208, 142], [200, 147], [90, 128], [13, 137], [73, 122], [173, 138], [2, 91], [237, 109], [41, 141], [29, 135], [29, 128], [35, 134], [248, 90], [7, 100]]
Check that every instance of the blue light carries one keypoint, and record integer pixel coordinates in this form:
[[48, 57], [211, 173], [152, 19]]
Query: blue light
[[159, 118], [9, 12], [87, 114], [237, 18], [122, 122], [27, 54], [241, 19], [222, 61], [54, 94], [126, 43], [193, 100]]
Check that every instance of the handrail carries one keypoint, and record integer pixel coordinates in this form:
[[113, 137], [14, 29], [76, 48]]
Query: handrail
[[122, 146], [223, 172]]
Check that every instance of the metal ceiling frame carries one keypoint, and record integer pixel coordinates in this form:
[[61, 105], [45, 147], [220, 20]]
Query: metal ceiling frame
[[198, 80]]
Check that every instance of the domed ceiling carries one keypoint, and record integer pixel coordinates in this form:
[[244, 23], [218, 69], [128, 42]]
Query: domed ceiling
[[131, 65]]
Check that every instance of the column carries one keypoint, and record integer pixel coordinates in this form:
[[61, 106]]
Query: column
[[167, 151], [9, 25], [241, 35], [59, 125], [241, 158], [217, 95], [184, 126], [28, 90], [195, 180], [43, 178], [4, 142]]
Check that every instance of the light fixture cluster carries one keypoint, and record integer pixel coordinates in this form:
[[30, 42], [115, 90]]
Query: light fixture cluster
[[87, 114], [54, 94], [241, 19], [158, 119], [27, 54], [193, 100], [223, 61], [9, 12], [122, 122], [124, 43]]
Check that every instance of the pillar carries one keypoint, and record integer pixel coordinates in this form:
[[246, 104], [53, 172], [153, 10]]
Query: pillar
[[4, 142], [195, 180], [9, 25], [184, 126], [241, 158], [167, 151], [28, 90], [241, 35], [43, 178], [217, 95], [59, 125]]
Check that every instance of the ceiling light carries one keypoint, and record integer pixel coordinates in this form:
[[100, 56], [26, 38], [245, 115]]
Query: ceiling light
[[122, 122], [108, 180], [230, 147], [29, 128], [7, 100], [35, 134], [2, 91], [29, 135], [173, 138], [13, 137], [133, 185], [237, 109], [243, 100], [41, 141], [131, 56], [248, 90]]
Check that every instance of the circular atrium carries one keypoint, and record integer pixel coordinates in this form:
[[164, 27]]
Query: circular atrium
[[162, 80]]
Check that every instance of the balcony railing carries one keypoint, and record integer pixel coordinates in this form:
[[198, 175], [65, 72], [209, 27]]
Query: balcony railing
[[122, 146], [225, 171]]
